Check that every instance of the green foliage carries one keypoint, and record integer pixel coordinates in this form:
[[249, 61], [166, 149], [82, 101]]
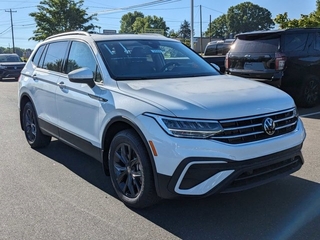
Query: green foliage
[[185, 30], [18, 51], [136, 22], [128, 20], [173, 34], [186, 42], [218, 28], [311, 20], [57, 16], [244, 17]]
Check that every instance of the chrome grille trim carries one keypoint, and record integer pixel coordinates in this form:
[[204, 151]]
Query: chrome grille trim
[[250, 129], [258, 116]]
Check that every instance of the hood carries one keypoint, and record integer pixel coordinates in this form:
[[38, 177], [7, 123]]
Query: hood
[[211, 97]]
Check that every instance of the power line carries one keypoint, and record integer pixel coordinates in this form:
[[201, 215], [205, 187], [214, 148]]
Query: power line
[[147, 4], [5, 31]]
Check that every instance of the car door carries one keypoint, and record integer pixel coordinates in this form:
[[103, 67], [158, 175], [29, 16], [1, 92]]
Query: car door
[[47, 63], [78, 105]]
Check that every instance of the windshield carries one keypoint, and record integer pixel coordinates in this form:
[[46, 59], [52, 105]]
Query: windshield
[[256, 44], [147, 59], [9, 58]]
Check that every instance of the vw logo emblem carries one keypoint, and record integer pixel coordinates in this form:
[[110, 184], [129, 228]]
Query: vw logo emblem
[[269, 126]]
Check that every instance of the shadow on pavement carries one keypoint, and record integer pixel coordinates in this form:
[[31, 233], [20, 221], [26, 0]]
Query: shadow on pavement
[[285, 209]]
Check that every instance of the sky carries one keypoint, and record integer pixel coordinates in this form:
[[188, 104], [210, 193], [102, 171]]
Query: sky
[[173, 12]]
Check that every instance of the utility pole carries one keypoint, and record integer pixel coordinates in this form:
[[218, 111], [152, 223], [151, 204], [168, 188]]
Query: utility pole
[[191, 37], [201, 29], [210, 28], [13, 48]]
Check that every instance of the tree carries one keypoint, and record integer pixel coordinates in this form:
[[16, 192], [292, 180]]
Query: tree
[[128, 20], [173, 34], [218, 28], [138, 23], [57, 16], [185, 30], [244, 17], [311, 20]]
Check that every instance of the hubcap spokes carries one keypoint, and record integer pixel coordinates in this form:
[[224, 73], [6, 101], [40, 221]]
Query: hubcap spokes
[[127, 169], [30, 125], [312, 92]]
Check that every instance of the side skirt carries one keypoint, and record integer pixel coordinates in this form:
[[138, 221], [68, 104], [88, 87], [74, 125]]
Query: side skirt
[[71, 139]]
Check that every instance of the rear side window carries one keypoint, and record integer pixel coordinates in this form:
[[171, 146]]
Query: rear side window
[[37, 56], [317, 41], [55, 56], [295, 42], [256, 44]]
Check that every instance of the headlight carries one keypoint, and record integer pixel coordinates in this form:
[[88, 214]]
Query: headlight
[[188, 128]]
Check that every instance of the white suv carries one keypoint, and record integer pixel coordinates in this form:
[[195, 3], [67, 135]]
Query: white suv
[[162, 121]]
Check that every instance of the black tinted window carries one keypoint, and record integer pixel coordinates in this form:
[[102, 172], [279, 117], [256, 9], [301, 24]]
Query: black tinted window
[[37, 56], [317, 41], [295, 42], [152, 59], [256, 44], [55, 56]]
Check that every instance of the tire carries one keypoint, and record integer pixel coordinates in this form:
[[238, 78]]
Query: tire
[[131, 171], [309, 95], [34, 136]]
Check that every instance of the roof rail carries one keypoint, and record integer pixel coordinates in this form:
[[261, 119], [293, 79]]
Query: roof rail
[[69, 33]]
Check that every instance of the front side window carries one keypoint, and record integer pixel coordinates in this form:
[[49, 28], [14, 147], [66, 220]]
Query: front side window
[[55, 56], [81, 56], [152, 59]]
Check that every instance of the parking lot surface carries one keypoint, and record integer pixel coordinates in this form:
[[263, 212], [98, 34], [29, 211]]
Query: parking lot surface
[[60, 193]]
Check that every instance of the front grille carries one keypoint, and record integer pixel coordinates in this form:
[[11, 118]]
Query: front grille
[[250, 129], [14, 67], [261, 174]]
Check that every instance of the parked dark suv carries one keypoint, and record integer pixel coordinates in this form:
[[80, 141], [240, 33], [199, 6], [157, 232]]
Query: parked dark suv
[[219, 47], [288, 59], [10, 66]]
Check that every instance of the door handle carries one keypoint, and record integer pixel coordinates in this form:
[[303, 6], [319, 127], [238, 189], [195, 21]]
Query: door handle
[[61, 84]]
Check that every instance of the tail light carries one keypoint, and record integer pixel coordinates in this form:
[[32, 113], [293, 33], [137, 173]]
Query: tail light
[[227, 62], [280, 61]]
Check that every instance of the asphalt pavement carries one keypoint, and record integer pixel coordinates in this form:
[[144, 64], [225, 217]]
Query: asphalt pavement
[[60, 193]]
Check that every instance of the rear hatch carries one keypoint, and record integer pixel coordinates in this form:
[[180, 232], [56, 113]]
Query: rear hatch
[[255, 56]]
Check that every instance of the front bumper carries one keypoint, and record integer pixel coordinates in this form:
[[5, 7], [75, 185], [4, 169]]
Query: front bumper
[[10, 73], [207, 176]]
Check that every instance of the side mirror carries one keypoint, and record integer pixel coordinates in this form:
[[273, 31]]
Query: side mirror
[[82, 75]]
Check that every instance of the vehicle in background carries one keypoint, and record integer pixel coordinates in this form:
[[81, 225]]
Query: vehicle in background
[[10, 66], [287, 58], [218, 47], [215, 52]]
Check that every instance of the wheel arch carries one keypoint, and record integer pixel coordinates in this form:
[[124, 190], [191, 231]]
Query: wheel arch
[[116, 125], [24, 99]]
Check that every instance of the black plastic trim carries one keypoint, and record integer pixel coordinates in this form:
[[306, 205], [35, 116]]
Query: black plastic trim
[[168, 183]]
